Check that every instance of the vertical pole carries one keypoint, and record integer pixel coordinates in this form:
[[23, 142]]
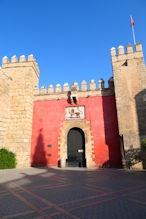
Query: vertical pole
[[133, 35], [132, 25]]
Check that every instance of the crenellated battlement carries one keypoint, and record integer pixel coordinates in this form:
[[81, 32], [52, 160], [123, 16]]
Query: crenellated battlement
[[129, 54], [21, 62], [14, 59], [61, 92]]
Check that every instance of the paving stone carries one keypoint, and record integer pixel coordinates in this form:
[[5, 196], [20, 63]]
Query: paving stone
[[104, 193], [26, 216], [112, 209], [11, 205], [61, 216], [33, 200], [66, 194]]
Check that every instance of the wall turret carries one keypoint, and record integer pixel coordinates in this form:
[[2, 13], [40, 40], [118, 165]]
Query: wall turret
[[130, 85], [21, 90]]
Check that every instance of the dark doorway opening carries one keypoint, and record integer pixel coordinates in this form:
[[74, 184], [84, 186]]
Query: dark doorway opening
[[76, 148]]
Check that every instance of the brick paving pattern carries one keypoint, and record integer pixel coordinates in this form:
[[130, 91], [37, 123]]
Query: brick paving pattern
[[72, 193]]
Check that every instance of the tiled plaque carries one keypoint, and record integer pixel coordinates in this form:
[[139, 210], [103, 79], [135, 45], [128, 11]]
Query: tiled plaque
[[75, 112]]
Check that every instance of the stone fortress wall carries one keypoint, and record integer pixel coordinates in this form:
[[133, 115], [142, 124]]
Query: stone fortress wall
[[4, 102], [59, 93], [19, 89], [130, 88], [17, 83]]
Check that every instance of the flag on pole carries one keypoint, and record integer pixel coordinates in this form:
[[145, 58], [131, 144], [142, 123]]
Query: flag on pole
[[132, 25], [132, 22]]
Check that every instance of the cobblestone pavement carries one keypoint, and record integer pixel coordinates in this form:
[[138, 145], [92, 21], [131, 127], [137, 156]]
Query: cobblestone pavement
[[72, 193]]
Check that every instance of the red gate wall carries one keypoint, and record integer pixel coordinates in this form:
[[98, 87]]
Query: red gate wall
[[48, 116]]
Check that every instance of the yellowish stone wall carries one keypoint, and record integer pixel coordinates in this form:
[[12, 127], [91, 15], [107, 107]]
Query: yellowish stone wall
[[130, 88], [4, 102], [24, 78]]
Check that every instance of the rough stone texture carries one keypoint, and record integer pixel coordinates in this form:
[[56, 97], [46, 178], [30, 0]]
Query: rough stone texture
[[137, 166], [130, 87], [19, 108], [4, 102]]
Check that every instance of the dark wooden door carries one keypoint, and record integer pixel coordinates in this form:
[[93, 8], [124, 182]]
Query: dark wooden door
[[76, 148]]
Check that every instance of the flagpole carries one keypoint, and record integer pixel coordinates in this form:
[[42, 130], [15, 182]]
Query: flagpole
[[133, 35], [133, 30]]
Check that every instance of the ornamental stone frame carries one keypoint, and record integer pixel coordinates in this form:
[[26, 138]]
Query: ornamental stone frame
[[89, 143]]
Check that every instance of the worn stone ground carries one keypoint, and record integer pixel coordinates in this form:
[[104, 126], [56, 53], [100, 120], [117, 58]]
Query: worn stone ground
[[72, 193]]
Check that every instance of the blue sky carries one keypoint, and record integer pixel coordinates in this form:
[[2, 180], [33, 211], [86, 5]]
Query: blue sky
[[70, 39]]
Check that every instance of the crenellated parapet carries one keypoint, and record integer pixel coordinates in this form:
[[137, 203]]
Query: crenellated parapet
[[21, 62], [14, 59], [121, 55], [59, 92]]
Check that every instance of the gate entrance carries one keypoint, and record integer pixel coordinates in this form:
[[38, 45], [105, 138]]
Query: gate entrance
[[76, 148]]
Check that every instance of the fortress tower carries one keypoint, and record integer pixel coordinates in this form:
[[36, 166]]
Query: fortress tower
[[17, 82], [130, 90]]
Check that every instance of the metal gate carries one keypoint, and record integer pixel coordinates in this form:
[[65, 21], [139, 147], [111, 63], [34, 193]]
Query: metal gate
[[76, 148]]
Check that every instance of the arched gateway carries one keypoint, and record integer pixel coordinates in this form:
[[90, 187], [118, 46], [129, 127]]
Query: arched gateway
[[76, 132], [76, 148]]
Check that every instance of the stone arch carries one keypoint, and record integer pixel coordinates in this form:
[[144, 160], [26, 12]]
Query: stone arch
[[84, 125]]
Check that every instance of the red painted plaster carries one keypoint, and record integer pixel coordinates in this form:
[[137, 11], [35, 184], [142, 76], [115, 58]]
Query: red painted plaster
[[48, 116]]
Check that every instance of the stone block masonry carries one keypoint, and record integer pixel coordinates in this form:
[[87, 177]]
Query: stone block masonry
[[4, 102], [24, 78], [130, 89]]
